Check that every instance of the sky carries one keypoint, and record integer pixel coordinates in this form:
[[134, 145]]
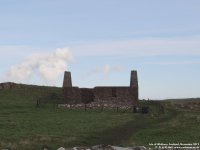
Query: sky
[[101, 41]]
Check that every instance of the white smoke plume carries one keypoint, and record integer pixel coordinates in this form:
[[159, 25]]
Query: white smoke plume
[[48, 65], [105, 70]]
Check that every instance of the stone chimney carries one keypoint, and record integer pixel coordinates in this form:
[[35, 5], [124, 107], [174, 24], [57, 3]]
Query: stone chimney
[[134, 79], [67, 82], [134, 84]]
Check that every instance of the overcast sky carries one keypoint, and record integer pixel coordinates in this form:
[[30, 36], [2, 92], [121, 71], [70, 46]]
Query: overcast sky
[[101, 41]]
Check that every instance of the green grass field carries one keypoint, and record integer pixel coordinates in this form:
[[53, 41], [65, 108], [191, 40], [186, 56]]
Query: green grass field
[[25, 127]]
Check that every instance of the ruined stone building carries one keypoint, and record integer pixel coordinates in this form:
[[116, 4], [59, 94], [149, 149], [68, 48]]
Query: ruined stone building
[[8, 85], [106, 95]]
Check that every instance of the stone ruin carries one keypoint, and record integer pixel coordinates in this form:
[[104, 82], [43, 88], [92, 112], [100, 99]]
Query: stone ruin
[[106, 96], [8, 85]]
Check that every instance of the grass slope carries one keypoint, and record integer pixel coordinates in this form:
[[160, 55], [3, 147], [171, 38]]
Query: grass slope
[[23, 126]]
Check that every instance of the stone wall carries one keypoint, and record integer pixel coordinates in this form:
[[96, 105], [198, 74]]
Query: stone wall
[[87, 95], [8, 85], [109, 96], [123, 95], [71, 95]]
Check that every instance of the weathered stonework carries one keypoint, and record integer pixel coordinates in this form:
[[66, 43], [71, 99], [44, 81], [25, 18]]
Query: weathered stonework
[[72, 95], [109, 96], [67, 82], [134, 79], [8, 85]]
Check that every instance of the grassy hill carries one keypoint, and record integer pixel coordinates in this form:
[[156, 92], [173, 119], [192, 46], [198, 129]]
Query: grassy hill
[[23, 126]]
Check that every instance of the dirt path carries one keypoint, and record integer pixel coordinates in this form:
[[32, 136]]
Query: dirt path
[[118, 135]]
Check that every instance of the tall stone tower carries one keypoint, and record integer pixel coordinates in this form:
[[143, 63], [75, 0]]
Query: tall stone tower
[[134, 83], [67, 82]]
